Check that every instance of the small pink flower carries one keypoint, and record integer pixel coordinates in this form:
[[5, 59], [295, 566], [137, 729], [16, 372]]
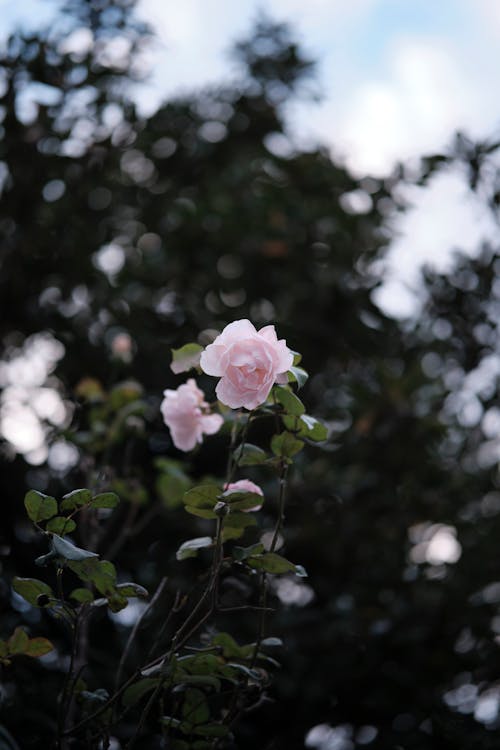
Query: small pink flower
[[185, 412], [244, 485], [249, 363]]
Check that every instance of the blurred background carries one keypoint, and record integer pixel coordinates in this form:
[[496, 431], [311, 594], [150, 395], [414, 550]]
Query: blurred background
[[167, 168]]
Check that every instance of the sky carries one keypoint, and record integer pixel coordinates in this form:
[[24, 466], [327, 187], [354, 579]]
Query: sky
[[397, 79]]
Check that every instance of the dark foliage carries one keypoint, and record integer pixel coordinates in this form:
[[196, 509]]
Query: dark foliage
[[168, 227]]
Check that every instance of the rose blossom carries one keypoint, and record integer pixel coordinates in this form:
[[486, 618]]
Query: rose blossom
[[244, 485], [248, 362], [185, 413]]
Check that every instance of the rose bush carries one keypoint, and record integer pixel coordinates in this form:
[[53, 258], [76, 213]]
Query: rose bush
[[249, 363], [186, 414]]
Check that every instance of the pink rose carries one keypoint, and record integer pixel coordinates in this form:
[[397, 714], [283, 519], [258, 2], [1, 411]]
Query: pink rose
[[185, 413], [249, 363], [244, 485]]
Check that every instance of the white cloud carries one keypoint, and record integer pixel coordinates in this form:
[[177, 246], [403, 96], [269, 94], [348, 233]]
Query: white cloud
[[444, 217]]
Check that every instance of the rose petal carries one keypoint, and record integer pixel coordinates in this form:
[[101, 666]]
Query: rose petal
[[213, 359]]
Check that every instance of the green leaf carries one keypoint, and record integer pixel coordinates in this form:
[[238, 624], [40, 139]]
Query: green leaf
[[116, 601], [76, 499], [205, 680], [230, 649], [61, 525], [31, 588], [242, 553], [81, 595], [195, 707], [105, 500], [229, 532], [38, 647], [285, 444], [171, 488], [39, 507], [250, 455], [306, 427], [200, 512], [271, 563], [297, 358], [289, 401], [139, 689], [254, 674], [297, 375], [69, 551], [203, 663], [132, 589], [18, 642], [186, 358], [204, 496], [238, 520], [242, 500], [99, 572], [191, 546]]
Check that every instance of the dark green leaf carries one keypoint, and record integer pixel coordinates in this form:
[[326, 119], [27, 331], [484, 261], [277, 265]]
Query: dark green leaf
[[204, 496], [200, 512], [306, 427], [271, 563], [289, 401], [191, 546], [31, 588], [76, 499], [250, 455], [137, 690], [243, 500], [204, 680], [105, 500], [61, 525], [38, 647], [39, 507], [69, 551], [238, 520], [99, 572], [186, 358], [285, 444], [132, 589], [195, 707], [297, 375], [82, 595], [242, 553], [18, 642]]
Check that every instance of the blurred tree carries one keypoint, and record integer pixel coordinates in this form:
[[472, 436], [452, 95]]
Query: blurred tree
[[123, 236]]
